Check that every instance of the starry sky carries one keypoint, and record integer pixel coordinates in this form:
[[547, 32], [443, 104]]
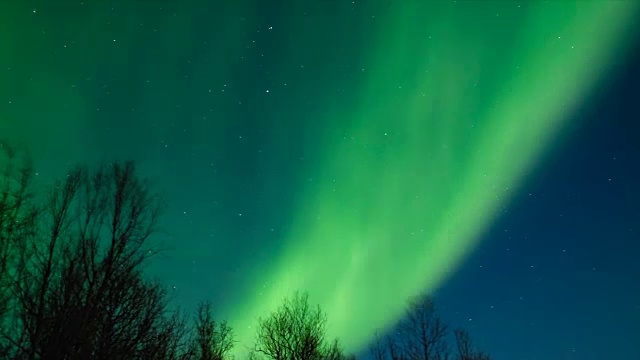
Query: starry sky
[[363, 151]]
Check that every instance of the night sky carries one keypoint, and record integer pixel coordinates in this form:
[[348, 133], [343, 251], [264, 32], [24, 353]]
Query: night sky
[[486, 153]]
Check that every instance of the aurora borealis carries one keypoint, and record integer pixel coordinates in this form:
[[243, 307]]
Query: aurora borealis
[[355, 150]]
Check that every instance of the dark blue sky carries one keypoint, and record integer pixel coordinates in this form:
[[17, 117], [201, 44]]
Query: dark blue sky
[[557, 275]]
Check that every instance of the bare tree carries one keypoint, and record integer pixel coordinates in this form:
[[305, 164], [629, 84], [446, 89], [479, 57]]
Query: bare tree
[[420, 335], [334, 351], [79, 288], [213, 341], [72, 284], [17, 219], [396, 352], [378, 351], [465, 348], [296, 331]]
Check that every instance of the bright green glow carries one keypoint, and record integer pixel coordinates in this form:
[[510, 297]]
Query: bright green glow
[[461, 100]]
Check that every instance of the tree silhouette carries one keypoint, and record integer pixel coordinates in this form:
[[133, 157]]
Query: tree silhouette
[[296, 331], [465, 348], [378, 350], [17, 217], [213, 341], [422, 335], [78, 286], [72, 284]]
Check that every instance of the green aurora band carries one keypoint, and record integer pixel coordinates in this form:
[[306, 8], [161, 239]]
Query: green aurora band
[[461, 100]]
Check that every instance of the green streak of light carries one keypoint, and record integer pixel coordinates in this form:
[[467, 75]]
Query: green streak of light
[[460, 101]]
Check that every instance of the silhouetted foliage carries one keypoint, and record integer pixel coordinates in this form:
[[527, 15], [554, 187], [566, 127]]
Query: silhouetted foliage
[[378, 350], [465, 348], [422, 335], [18, 217], [335, 352], [213, 340], [78, 287], [72, 284], [296, 331]]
